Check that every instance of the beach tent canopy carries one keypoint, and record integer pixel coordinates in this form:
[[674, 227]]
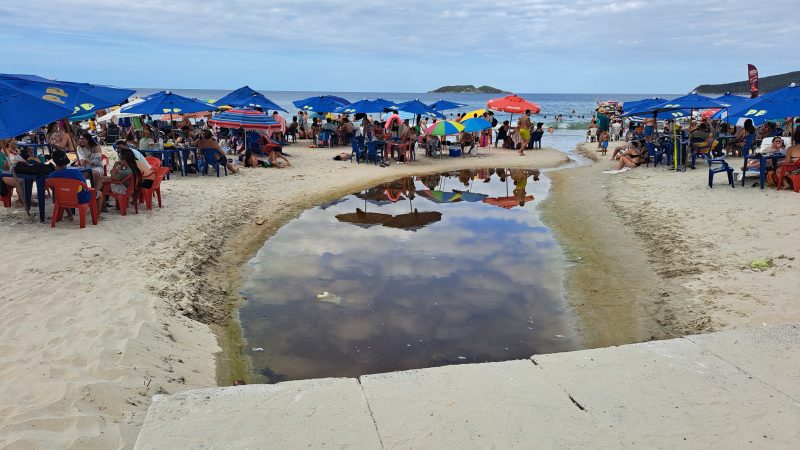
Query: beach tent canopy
[[80, 98], [321, 103], [418, 108], [476, 124], [21, 112], [385, 104], [513, 104], [246, 97], [444, 105], [248, 119], [731, 100], [166, 102]]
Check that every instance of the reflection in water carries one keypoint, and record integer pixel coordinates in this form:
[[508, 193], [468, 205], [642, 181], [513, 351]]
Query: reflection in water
[[418, 272]]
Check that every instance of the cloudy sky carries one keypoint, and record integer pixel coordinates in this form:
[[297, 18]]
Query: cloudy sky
[[575, 46]]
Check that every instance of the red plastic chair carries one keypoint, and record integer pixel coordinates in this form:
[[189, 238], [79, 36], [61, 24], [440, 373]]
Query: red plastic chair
[[65, 193], [795, 179], [154, 162], [146, 195], [7, 198], [122, 200]]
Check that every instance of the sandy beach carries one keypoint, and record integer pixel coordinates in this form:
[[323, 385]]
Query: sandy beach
[[660, 255], [94, 322]]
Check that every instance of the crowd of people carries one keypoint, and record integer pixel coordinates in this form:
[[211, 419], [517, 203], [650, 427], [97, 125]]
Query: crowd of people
[[702, 138]]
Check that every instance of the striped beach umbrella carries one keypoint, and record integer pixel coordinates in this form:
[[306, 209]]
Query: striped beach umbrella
[[243, 118], [445, 127]]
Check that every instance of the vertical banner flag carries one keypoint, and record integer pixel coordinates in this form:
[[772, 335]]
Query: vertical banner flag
[[752, 77]]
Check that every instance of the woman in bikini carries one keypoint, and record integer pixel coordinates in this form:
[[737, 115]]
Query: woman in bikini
[[630, 158]]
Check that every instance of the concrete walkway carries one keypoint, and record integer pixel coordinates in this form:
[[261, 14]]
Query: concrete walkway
[[732, 389]]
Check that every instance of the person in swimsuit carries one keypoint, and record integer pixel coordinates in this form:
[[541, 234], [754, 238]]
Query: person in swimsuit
[[630, 158], [524, 125]]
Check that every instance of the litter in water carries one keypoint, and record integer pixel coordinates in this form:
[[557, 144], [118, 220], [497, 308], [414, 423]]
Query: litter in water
[[328, 297]]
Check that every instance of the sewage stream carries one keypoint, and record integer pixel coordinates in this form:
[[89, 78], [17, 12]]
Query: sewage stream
[[419, 272]]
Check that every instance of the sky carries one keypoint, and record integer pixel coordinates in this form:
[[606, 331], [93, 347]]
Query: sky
[[531, 46]]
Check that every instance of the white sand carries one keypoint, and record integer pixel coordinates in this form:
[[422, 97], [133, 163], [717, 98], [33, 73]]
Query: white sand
[[93, 322]]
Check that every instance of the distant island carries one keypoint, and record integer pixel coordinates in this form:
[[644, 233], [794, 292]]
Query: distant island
[[467, 89], [765, 84]]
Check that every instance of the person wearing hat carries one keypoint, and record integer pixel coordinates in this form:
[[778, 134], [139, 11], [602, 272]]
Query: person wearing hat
[[63, 170]]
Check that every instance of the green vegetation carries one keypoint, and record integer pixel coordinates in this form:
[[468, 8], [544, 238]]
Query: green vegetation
[[467, 89], [765, 84]]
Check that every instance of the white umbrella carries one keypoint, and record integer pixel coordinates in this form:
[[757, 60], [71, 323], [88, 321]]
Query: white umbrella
[[117, 114]]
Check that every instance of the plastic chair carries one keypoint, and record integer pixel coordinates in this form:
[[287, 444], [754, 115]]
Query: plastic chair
[[716, 166], [153, 161], [794, 178], [122, 200], [65, 195], [210, 157], [7, 198], [146, 194], [749, 141], [372, 152], [591, 135], [358, 149]]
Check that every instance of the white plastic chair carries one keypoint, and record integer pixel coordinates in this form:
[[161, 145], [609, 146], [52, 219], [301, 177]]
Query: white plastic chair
[[591, 135]]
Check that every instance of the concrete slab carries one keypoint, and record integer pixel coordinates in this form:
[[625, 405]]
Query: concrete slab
[[674, 394], [494, 405], [768, 353], [324, 413]]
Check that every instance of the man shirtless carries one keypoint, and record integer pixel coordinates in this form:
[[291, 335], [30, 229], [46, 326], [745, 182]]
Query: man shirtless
[[207, 141], [524, 127]]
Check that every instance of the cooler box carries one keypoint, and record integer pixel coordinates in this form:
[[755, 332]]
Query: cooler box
[[455, 152]]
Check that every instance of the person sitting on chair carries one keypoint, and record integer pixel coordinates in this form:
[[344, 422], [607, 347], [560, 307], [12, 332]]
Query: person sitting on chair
[[63, 170], [208, 141]]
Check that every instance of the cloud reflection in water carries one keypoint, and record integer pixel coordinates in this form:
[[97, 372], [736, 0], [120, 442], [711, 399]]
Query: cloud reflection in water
[[481, 283]]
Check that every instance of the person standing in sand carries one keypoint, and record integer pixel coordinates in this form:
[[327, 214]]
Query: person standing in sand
[[524, 127]]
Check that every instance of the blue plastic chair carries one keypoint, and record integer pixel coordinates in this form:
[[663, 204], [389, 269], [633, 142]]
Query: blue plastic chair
[[655, 154], [358, 149], [716, 166], [210, 159], [749, 141], [372, 152], [324, 138]]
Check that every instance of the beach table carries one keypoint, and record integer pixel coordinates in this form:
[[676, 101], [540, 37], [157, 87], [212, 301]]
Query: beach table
[[167, 156], [762, 176], [391, 146], [39, 180]]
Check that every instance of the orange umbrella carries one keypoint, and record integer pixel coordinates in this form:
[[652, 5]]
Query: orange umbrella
[[507, 202], [513, 104]]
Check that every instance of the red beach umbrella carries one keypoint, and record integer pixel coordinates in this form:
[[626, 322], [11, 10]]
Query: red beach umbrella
[[513, 104]]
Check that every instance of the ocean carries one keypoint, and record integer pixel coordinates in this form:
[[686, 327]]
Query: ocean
[[577, 109]]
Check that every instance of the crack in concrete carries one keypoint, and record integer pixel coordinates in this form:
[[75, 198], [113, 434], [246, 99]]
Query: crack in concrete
[[369, 408], [750, 375]]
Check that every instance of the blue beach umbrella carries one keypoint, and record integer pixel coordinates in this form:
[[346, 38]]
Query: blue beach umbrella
[[246, 97], [419, 108], [635, 105], [321, 103], [778, 104], [21, 112], [362, 106], [444, 105], [476, 124], [81, 98], [166, 102], [730, 100], [385, 104]]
